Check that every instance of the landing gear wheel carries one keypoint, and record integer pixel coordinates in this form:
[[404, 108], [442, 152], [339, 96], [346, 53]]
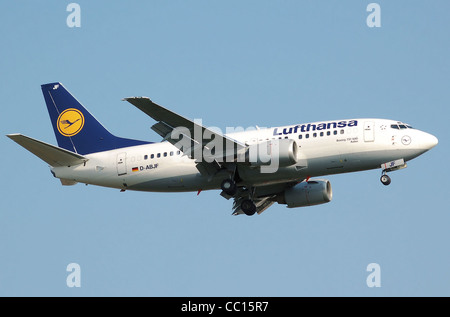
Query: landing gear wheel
[[248, 207], [386, 180], [229, 187]]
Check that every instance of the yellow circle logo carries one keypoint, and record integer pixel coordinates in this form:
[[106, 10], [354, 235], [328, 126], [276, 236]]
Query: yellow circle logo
[[70, 122]]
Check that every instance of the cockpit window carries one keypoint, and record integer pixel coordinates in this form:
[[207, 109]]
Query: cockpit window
[[401, 126]]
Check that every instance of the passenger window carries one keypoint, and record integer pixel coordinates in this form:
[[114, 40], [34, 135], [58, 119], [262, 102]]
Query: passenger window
[[178, 152], [335, 132], [152, 156], [328, 133], [171, 153], [307, 135], [158, 155], [145, 157], [321, 133], [342, 131], [165, 154], [300, 136]]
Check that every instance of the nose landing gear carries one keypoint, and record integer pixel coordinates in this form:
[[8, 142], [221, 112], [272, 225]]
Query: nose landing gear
[[389, 167], [385, 179]]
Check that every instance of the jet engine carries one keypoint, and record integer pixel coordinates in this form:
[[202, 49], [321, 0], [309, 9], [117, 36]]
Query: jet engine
[[277, 152], [310, 193]]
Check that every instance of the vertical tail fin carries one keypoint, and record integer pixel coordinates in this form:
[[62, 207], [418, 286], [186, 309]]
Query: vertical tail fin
[[75, 128]]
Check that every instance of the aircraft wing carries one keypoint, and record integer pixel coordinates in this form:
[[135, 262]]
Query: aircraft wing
[[190, 136]]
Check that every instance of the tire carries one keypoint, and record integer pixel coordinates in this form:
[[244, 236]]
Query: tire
[[386, 180], [248, 207], [229, 187]]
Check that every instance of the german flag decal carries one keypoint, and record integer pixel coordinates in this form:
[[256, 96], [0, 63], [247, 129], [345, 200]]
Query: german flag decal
[[135, 169]]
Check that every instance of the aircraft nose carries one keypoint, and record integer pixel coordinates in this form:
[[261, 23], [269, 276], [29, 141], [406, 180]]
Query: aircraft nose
[[430, 141]]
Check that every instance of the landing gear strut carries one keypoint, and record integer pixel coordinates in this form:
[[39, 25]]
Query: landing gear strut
[[247, 205], [385, 179], [228, 185]]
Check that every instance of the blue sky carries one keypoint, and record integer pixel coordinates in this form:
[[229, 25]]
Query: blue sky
[[230, 63]]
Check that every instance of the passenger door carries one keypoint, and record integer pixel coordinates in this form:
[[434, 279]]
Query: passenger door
[[369, 131], [122, 164]]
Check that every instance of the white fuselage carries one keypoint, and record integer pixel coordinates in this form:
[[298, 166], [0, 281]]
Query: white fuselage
[[324, 148]]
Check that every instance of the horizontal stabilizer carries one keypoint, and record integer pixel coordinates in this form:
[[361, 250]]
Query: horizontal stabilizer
[[51, 154]]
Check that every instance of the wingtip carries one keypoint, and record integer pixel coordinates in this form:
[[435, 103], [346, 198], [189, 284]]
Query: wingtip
[[135, 97], [12, 135]]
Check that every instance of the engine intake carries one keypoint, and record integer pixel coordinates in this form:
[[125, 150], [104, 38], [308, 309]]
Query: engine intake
[[310, 193]]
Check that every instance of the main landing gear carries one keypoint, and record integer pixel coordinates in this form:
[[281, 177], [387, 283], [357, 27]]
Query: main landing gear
[[229, 186], [247, 204], [248, 207]]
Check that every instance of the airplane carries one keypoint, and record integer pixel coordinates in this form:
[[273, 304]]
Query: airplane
[[256, 168]]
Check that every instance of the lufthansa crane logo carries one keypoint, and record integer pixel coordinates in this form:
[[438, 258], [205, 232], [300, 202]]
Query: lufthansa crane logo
[[406, 140], [70, 122]]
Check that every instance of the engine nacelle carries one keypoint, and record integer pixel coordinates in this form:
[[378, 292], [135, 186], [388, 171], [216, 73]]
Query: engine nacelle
[[277, 152], [310, 193]]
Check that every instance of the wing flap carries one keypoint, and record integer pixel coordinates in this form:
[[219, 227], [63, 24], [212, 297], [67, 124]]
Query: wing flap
[[163, 129], [52, 155]]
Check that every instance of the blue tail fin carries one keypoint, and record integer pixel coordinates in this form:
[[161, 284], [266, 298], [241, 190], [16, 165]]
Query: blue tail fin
[[75, 128]]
